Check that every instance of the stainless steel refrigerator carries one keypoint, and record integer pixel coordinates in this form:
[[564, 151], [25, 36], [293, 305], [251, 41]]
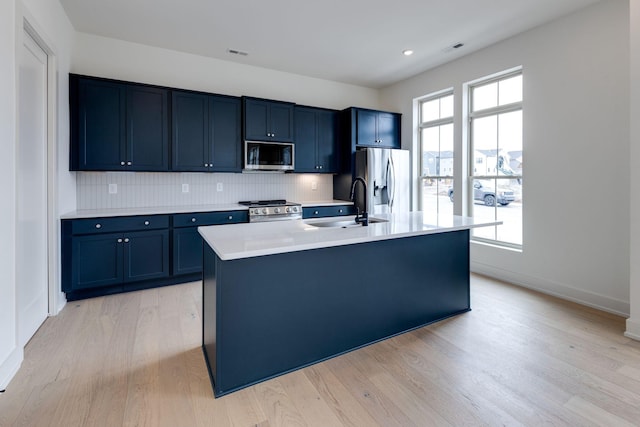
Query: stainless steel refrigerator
[[387, 174]]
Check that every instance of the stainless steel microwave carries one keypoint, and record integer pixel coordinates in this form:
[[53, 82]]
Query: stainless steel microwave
[[268, 156]]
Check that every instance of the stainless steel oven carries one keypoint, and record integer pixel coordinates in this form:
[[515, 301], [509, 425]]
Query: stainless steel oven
[[272, 210]]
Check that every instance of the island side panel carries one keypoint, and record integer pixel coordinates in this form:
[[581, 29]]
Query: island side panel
[[209, 312], [277, 313]]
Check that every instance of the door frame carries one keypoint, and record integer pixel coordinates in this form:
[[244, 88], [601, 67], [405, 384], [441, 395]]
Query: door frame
[[28, 24]]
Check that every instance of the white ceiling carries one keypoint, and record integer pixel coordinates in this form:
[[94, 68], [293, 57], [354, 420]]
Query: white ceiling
[[351, 41]]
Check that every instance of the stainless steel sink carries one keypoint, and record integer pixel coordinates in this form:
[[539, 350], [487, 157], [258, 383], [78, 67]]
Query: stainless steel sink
[[347, 223]]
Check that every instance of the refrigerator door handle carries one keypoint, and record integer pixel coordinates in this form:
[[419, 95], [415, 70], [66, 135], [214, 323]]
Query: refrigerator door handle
[[391, 172]]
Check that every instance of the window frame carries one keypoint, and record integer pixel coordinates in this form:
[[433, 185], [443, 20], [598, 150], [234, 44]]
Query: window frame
[[432, 124], [471, 176]]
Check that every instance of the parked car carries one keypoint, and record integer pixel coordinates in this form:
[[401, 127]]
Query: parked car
[[488, 195]]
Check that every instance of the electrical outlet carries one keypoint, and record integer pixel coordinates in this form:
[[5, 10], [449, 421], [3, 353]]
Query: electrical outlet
[[185, 188], [314, 185], [219, 186], [113, 188]]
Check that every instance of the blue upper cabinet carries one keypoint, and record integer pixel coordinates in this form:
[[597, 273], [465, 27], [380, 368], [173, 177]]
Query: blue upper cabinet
[[205, 133], [266, 120], [116, 126], [377, 128], [316, 140]]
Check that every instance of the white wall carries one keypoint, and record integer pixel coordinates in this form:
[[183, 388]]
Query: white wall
[[633, 323], [51, 23], [576, 133], [116, 59]]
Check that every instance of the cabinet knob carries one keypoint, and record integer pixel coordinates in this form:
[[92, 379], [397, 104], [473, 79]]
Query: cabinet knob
[[206, 165], [210, 165], [230, 217], [121, 163], [320, 166], [146, 223], [98, 225], [315, 212], [119, 240], [193, 220], [128, 163], [339, 210], [126, 240]]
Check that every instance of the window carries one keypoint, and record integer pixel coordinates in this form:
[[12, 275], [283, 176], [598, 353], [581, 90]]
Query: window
[[496, 157], [436, 149]]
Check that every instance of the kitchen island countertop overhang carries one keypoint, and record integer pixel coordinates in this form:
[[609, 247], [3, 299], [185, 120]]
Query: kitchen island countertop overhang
[[258, 239]]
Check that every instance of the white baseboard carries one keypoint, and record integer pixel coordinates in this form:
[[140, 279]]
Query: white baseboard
[[10, 366], [560, 290], [633, 329]]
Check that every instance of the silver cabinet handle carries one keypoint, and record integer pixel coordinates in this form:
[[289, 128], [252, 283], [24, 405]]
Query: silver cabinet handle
[[121, 163], [320, 166], [230, 217], [315, 212], [193, 220], [126, 240], [146, 223], [119, 240], [98, 225], [206, 165], [128, 163], [210, 165], [339, 210]]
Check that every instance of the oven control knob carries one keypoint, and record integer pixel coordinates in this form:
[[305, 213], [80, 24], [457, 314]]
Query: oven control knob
[[277, 210], [287, 210], [294, 209], [264, 211]]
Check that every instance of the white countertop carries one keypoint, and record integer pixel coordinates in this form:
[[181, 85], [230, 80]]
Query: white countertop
[[257, 239], [165, 210]]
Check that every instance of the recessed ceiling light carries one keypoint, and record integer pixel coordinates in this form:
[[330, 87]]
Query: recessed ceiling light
[[407, 52]]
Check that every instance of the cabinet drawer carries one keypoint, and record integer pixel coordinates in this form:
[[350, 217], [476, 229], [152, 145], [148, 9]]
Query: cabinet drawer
[[327, 211], [210, 218], [119, 224]]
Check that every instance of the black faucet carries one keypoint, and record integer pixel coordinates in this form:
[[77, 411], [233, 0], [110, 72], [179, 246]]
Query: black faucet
[[364, 217]]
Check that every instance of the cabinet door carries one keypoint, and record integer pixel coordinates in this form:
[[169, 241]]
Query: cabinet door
[[147, 129], [281, 122], [101, 132], [96, 261], [187, 251], [327, 141], [388, 130], [190, 132], [226, 144], [366, 124], [146, 255], [306, 140], [256, 120]]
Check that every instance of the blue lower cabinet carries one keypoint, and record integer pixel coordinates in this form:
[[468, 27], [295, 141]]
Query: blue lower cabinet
[[146, 255], [98, 260], [102, 256], [187, 251], [327, 211]]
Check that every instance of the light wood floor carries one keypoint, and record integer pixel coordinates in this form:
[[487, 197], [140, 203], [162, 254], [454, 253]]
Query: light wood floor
[[519, 358]]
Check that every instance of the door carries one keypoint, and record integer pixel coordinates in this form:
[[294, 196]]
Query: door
[[306, 132], [101, 125], [147, 129], [146, 255], [327, 124], [190, 140], [97, 261], [31, 188], [226, 147], [187, 251]]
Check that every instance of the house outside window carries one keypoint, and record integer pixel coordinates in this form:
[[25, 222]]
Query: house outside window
[[496, 157], [436, 152]]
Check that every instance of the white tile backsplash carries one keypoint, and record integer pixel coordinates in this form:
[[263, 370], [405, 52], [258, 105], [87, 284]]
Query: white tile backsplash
[[146, 189]]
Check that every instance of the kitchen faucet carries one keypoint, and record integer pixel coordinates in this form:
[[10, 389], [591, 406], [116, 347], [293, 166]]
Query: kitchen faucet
[[364, 217]]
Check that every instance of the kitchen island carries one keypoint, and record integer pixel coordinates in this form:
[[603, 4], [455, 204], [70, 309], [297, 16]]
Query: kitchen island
[[279, 296]]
